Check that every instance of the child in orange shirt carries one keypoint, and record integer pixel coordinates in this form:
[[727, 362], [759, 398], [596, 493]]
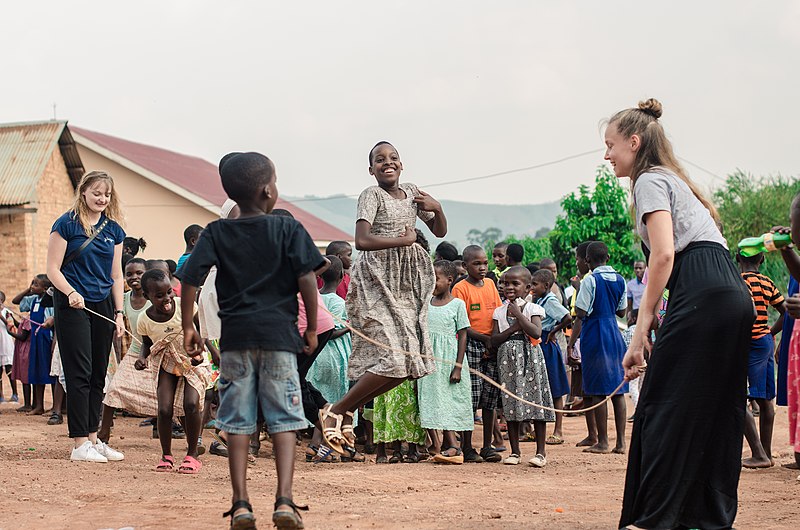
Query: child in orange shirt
[[481, 298]]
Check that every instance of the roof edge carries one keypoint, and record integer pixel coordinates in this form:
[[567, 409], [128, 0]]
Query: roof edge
[[31, 123], [146, 173]]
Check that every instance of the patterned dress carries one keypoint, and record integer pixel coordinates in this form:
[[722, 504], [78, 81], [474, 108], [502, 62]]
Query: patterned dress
[[443, 405], [396, 416], [523, 371], [390, 290]]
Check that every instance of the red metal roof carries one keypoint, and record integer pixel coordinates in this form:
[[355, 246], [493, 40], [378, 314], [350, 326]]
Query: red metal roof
[[199, 177]]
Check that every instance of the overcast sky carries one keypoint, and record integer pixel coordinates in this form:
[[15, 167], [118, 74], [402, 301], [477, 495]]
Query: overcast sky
[[461, 88]]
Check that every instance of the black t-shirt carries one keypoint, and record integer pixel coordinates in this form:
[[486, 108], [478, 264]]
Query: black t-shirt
[[258, 262]]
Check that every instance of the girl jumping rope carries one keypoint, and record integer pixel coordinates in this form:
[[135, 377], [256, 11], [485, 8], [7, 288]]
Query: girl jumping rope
[[391, 285], [162, 339]]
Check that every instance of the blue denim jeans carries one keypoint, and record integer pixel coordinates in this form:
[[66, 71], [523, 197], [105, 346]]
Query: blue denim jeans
[[250, 378]]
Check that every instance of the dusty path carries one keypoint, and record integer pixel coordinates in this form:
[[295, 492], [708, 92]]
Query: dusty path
[[40, 488]]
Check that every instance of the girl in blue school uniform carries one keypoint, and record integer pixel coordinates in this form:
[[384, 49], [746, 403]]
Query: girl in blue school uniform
[[600, 299], [556, 318], [40, 306]]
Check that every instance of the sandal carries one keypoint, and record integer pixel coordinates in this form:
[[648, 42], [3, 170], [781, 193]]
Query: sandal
[[397, 458], [352, 455], [243, 521], [382, 460], [167, 463], [554, 440], [333, 435], [411, 458], [456, 456], [347, 429], [55, 419], [311, 452], [190, 466], [287, 520], [325, 455]]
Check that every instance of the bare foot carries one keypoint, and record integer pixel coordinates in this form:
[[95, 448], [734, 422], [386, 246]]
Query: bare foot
[[36, 412], [598, 448], [586, 442], [619, 450], [756, 463]]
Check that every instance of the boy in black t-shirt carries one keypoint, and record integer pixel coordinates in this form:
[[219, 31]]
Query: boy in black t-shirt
[[262, 262]]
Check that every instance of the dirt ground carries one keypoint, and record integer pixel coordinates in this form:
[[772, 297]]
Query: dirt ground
[[41, 488]]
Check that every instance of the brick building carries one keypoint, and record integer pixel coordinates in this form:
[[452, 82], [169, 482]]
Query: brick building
[[39, 169]]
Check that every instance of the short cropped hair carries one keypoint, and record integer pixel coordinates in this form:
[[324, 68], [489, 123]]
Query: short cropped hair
[[580, 250], [244, 174], [519, 269], [153, 276], [515, 252], [337, 247], [470, 250], [597, 252], [447, 267], [192, 232], [334, 271], [545, 276]]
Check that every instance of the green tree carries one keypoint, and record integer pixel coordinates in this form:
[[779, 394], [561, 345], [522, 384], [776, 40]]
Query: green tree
[[601, 214], [749, 206]]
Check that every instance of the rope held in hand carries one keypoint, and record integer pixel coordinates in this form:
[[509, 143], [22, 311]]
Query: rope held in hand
[[472, 371]]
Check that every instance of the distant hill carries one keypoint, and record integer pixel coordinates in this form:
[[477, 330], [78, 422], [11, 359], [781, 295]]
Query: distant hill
[[518, 220]]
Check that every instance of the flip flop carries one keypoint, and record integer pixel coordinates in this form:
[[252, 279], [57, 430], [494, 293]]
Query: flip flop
[[554, 440], [190, 466], [442, 458], [166, 464]]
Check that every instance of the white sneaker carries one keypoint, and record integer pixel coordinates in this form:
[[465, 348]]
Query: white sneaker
[[512, 460], [538, 461], [111, 454], [87, 453]]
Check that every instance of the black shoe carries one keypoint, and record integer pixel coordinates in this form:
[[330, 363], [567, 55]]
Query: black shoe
[[490, 455], [472, 456], [55, 419], [218, 449]]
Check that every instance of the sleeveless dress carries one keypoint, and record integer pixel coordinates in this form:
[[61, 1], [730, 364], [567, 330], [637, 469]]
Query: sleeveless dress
[[22, 349], [390, 290], [41, 352], [443, 405], [602, 346]]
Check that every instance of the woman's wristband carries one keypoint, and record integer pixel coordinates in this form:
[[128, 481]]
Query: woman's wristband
[[70, 294]]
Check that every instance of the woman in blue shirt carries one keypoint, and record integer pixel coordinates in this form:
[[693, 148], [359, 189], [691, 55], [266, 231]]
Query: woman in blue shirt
[[84, 263]]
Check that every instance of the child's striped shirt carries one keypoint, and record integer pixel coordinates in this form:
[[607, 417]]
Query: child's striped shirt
[[764, 294]]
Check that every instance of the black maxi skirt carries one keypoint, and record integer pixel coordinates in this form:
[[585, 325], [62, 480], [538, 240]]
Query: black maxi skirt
[[686, 445]]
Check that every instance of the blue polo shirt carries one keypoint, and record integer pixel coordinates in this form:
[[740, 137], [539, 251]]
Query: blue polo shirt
[[90, 272]]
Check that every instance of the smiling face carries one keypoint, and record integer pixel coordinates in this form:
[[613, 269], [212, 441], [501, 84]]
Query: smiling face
[[133, 275], [516, 285], [37, 286], [161, 295], [385, 165], [621, 151], [98, 196]]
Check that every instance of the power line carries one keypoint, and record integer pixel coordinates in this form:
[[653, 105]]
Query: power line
[[472, 179], [701, 168]]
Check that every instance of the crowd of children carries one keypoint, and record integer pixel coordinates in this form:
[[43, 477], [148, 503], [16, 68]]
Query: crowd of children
[[436, 347]]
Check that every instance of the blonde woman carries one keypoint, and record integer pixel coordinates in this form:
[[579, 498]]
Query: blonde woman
[[84, 263], [686, 446]]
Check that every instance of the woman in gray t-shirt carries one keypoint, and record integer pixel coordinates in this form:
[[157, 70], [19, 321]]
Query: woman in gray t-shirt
[[686, 446]]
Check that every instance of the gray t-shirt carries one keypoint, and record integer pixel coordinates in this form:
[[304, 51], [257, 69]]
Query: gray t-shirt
[[661, 190]]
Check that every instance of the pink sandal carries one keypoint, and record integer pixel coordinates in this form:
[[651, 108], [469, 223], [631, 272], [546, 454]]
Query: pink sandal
[[190, 466], [166, 464]]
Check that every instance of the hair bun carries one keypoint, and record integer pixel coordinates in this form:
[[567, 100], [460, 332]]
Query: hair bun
[[652, 107]]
